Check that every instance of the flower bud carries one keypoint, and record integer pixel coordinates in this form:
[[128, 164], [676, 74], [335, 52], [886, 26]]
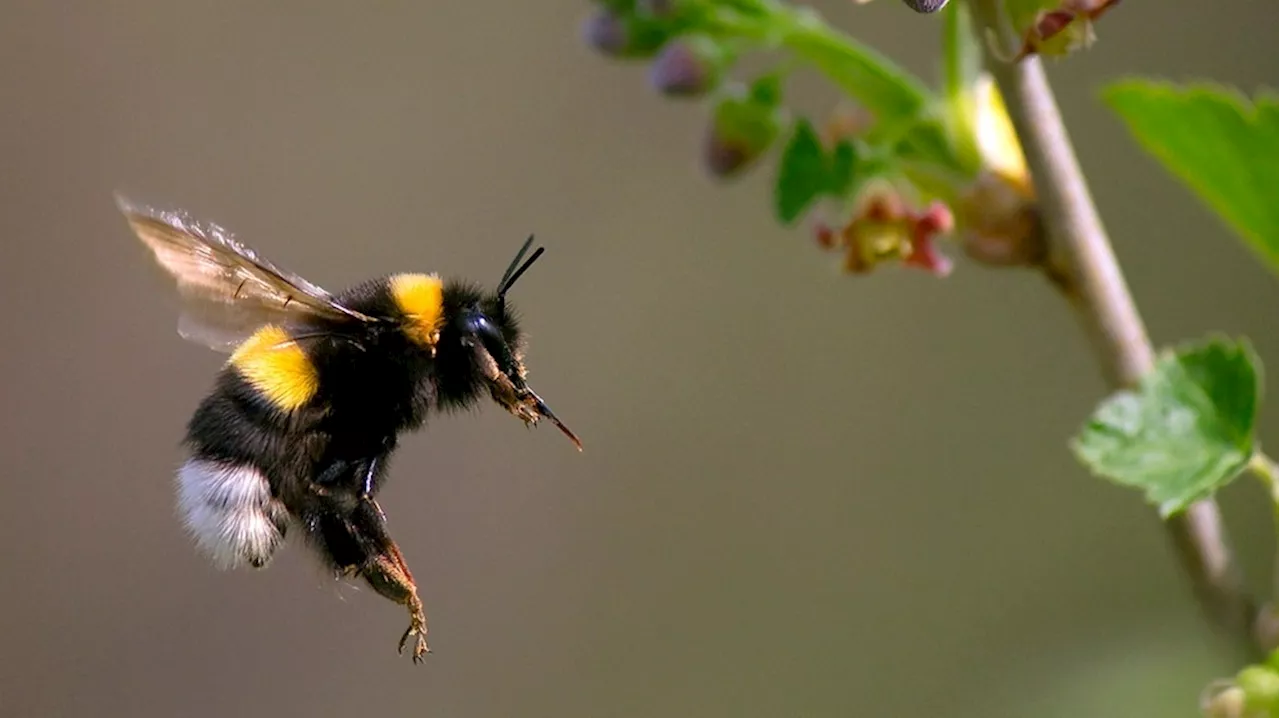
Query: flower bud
[[741, 129], [688, 67], [1000, 222], [1224, 702], [606, 32], [624, 36], [1261, 688]]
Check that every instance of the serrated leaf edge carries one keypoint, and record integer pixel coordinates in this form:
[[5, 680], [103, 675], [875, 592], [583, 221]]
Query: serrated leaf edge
[[1168, 509]]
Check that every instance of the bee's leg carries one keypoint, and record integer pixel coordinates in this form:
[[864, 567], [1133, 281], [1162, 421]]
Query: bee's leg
[[357, 542], [359, 475], [389, 576], [333, 476]]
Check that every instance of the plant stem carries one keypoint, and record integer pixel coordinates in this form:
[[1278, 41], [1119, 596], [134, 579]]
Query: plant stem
[[1265, 469], [1083, 266]]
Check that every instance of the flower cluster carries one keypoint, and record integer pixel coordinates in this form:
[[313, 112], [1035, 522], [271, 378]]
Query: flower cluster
[[690, 58], [904, 168]]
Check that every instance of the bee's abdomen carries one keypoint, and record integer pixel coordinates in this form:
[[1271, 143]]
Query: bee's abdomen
[[246, 459], [230, 510]]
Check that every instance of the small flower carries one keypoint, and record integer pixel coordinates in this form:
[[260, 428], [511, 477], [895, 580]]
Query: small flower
[[1064, 29], [884, 228]]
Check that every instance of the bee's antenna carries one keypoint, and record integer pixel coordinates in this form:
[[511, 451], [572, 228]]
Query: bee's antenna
[[513, 273]]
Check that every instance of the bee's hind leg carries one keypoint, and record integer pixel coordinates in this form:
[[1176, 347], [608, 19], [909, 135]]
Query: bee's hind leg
[[359, 542], [389, 576]]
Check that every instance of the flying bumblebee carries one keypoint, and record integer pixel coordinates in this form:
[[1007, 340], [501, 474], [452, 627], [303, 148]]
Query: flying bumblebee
[[303, 417]]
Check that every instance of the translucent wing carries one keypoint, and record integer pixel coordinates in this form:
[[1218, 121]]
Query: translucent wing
[[228, 291]]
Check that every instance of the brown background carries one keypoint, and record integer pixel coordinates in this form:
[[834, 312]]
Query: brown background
[[802, 495]]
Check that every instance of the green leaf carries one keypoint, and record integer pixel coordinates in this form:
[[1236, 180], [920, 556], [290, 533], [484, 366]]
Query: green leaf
[[802, 173], [807, 172], [1217, 142], [1186, 432]]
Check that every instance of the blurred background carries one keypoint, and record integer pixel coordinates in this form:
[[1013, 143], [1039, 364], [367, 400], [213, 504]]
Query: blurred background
[[803, 494]]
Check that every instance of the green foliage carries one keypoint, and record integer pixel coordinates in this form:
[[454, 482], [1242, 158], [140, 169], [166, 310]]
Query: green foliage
[[1188, 429], [1186, 432], [1223, 146], [695, 44], [807, 172]]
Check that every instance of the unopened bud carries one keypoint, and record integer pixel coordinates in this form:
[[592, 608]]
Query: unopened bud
[[1000, 223], [688, 67], [741, 130], [606, 32], [1261, 686], [1223, 702], [625, 36]]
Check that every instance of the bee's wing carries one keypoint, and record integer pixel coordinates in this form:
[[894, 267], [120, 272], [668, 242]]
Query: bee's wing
[[228, 291]]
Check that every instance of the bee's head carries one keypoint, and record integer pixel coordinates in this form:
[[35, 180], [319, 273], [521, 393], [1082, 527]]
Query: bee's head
[[481, 345]]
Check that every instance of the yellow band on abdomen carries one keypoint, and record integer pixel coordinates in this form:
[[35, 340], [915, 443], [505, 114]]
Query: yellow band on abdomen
[[276, 366]]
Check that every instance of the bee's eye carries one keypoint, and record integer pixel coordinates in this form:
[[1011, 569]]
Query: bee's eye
[[479, 326]]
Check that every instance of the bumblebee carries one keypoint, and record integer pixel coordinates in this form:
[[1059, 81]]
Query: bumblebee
[[305, 414]]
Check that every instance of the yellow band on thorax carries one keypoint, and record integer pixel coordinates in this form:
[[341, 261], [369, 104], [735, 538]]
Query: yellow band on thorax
[[421, 298], [276, 366]]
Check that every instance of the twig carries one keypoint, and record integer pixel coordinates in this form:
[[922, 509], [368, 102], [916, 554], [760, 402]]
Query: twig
[[1082, 264]]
